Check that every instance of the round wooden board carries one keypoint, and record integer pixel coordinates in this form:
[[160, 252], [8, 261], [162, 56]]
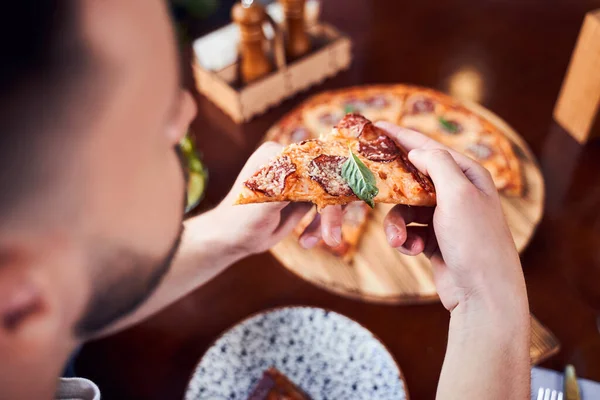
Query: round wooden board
[[381, 274]]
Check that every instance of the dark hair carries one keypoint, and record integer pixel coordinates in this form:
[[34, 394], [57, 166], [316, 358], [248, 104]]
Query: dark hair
[[44, 62]]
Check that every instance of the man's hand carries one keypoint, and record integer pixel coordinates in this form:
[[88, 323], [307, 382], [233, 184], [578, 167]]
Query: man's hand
[[255, 228], [476, 269], [466, 236]]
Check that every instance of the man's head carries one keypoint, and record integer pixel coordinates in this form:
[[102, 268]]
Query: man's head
[[92, 189]]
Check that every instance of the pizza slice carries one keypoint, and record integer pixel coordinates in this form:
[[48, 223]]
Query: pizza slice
[[355, 161]]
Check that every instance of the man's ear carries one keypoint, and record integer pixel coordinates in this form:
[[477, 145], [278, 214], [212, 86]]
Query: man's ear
[[41, 295], [44, 287], [27, 328], [21, 294]]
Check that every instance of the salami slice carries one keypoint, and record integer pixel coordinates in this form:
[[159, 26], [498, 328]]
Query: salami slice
[[380, 149], [480, 151], [422, 106], [299, 134], [270, 180], [378, 101], [329, 119], [352, 125], [375, 145], [327, 171]]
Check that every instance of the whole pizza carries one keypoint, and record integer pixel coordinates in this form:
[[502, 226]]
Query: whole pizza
[[435, 114]]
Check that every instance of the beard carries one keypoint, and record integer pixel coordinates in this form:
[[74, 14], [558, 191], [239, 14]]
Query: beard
[[125, 278], [117, 295]]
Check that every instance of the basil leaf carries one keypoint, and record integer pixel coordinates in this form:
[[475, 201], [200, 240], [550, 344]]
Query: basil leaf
[[449, 126], [348, 109], [360, 179]]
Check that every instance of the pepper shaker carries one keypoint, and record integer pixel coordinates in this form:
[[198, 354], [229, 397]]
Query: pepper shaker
[[297, 40]]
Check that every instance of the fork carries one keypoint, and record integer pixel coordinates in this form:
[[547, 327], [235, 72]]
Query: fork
[[547, 394]]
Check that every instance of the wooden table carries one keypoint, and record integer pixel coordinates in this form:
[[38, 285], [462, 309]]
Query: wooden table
[[519, 50]]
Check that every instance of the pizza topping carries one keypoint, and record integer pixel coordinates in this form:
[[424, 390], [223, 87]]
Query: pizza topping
[[378, 101], [382, 149], [352, 125], [480, 151], [422, 106], [375, 145], [327, 171], [299, 134], [418, 175], [328, 118], [361, 179], [450, 126], [348, 109], [270, 180], [353, 104]]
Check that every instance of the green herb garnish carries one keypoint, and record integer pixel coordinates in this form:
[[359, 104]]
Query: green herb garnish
[[449, 126], [348, 109], [360, 179]]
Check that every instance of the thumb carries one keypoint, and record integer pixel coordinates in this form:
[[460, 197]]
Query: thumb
[[291, 215], [441, 167], [261, 156]]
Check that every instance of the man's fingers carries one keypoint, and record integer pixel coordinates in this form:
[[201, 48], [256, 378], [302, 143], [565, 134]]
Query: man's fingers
[[416, 241], [441, 167], [408, 138], [409, 240], [312, 234], [258, 159], [413, 140], [431, 245], [396, 220], [331, 225], [291, 215], [475, 173], [409, 214]]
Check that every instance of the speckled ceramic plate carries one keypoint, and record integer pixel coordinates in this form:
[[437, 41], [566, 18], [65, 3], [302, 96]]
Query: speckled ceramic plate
[[326, 354]]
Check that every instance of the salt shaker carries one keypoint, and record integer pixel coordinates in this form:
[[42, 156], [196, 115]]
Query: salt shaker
[[254, 60]]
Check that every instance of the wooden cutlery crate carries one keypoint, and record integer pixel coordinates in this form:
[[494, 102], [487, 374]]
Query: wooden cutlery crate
[[217, 75]]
